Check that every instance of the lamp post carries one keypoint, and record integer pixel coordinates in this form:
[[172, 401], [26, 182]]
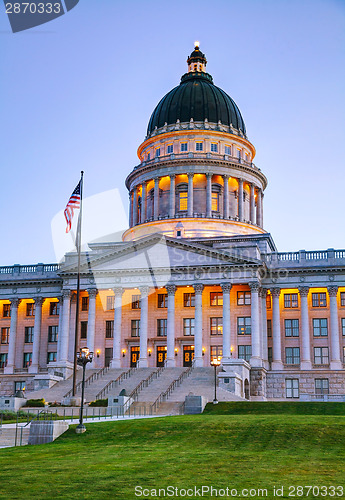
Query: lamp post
[[84, 356], [215, 362]]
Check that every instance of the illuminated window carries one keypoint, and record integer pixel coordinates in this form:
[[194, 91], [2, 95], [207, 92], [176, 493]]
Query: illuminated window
[[5, 333], [244, 326], [110, 302], [291, 328], [109, 329], [321, 355], [189, 299], [184, 147], [30, 309], [342, 299], [243, 298], [290, 300], [214, 147], [158, 152], [216, 326], [269, 301], [216, 351], [245, 352], [199, 146], [214, 204], [188, 326], [343, 325], [320, 327], [27, 359], [183, 201], [216, 298], [54, 308], [6, 310], [162, 300], [170, 148], [136, 301], [321, 386], [161, 327], [292, 387], [227, 150], [292, 355], [53, 333], [135, 328], [85, 303], [29, 335], [319, 300]]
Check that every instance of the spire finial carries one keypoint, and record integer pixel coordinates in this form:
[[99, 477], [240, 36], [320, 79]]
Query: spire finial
[[197, 60]]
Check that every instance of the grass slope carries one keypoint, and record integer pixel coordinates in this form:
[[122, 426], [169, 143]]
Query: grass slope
[[238, 451]]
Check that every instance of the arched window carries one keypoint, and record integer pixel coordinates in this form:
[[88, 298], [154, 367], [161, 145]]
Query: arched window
[[182, 193], [216, 188]]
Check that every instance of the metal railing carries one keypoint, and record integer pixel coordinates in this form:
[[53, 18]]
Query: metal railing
[[88, 381], [164, 395], [133, 396], [115, 383]]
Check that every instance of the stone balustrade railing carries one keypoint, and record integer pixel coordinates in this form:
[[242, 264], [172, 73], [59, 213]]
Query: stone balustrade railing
[[304, 257], [37, 268]]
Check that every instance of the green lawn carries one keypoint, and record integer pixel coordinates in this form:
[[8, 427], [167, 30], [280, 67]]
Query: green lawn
[[235, 451]]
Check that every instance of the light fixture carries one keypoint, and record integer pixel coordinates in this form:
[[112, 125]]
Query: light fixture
[[98, 352], [84, 356], [231, 350], [196, 43], [149, 351], [203, 351], [215, 362], [123, 352], [176, 351]]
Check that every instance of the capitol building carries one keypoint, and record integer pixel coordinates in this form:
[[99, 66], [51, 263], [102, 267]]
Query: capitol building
[[196, 276]]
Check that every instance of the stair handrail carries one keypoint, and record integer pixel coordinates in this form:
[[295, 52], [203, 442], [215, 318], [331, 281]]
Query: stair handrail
[[88, 381], [36, 417], [114, 383], [167, 392], [144, 383]]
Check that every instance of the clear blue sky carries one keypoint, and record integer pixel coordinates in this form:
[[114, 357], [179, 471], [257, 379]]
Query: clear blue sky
[[77, 93]]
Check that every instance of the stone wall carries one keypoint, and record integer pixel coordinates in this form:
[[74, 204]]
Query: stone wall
[[276, 382]]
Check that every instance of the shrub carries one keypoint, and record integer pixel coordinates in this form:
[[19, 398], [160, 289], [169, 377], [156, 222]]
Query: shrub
[[12, 415], [99, 402], [35, 403]]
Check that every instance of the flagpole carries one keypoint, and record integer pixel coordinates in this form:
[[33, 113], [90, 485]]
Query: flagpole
[[78, 289]]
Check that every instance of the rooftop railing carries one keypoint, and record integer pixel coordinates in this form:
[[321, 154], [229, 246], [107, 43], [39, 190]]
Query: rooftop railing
[[304, 257], [37, 268]]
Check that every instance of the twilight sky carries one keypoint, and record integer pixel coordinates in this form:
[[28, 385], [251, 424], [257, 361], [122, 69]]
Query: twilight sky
[[77, 94]]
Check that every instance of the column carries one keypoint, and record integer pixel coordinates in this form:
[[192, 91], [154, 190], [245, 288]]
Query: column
[[156, 199], [305, 333], [172, 197], [37, 335], [240, 199], [12, 340], [130, 209], [58, 345], [116, 361], [198, 288], [135, 206], [64, 334], [263, 295], [335, 358], [226, 197], [209, 195], [145, 290], [226, 287], [190, 195], [91, 324], [171, 289], [143, 202], [255, 359], [259, 208], [252, 204], [277, 363]]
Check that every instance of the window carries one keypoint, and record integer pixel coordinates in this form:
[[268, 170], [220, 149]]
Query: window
[[170, 148], [321, 386], [83, 329], [214, 147], [269, 301], [216, 351], [239, 154], [342, 299], [245, 352], [244, 326], [319, 300], [158, 152], [320, 328], [183, 201], [110, 302], [189, 299], [109, 329], [188, 326], [199, 146], [53, 333], [148, 156], [161, 327], [343, 325], [19, 386], [54, 308], [162, 300], [216, 326], [3, 359], [291, 328], [30, 309], [6, 310], [243, 298], [29, 334], [135, 328], [290, 300], [85, 303], [136, 302], [292, 387], [321, 355], [270, 354], [227, 150], [184, 147], [214, 202], [27, 359], [216, 298], [269, 328], [51, 357], [343, 354], [292, 355], [5, 333]]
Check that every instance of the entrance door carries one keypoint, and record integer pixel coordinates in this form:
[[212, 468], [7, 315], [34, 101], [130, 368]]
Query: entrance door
[[135, 355], [161, 355], [108, 356], [188, 355]]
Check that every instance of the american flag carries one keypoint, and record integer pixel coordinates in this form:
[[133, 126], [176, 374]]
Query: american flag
[[73, 202]]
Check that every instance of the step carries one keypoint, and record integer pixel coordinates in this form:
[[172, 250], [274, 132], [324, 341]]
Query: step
[[8, 436]]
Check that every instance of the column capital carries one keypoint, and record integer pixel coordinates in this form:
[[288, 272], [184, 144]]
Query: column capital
[[39, 300], [66, 294], [303, 291], [275, 292], [208, 175], [241, 180], [92, 292], [263, 292], [254, 286], [332, 291], [118, 290], [144, 290], [15, 302], [190, 175], [226, 287], [172, 176], [198, 288], [226, 176], [171, 289]]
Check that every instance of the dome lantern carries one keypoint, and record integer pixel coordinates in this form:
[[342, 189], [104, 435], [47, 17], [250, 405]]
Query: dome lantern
[[197, 61]]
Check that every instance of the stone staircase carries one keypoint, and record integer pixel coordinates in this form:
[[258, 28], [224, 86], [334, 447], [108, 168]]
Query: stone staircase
[[131, 383], [8, 436], [156, 387]]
